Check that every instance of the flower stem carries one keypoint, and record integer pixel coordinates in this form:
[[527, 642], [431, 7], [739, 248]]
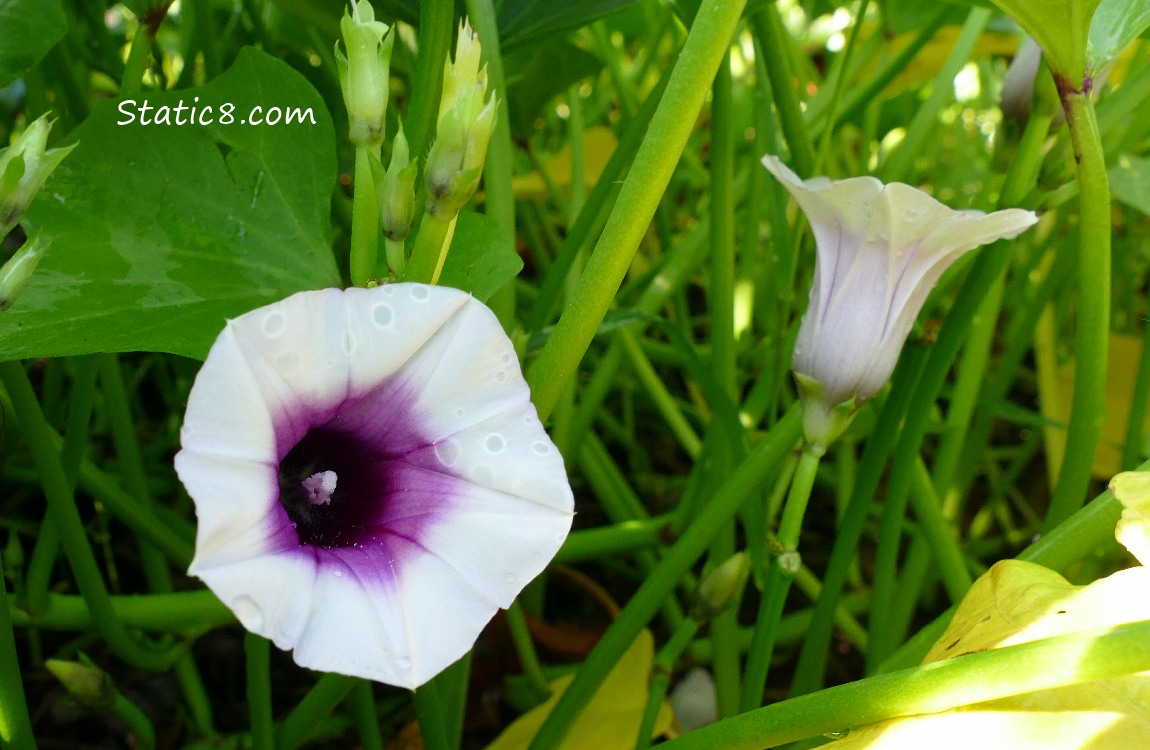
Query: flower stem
[[782, 571], [749, 475], [973, 678], [769, 33], [66, 517], [603, 541], [1093, 321], [328, 692], [661, 679], [259, 693], [671, 125], [366, 716], [435, 19], [184, 612], [525, 648], [430, 250], [15, 724], [364, 221]]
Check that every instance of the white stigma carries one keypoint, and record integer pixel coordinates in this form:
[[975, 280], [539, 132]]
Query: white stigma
[[320, 487]]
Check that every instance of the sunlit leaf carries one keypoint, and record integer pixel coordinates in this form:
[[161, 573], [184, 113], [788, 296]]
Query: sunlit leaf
[[1060, 27], [1116, 23], [28, 29], [599, 144], [161, 232], [482, 258], [1132, 488], [1018, 602], [1130, 182], [612, 717]]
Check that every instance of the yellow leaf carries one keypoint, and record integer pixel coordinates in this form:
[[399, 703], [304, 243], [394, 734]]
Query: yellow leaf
[[1017, 602], [1132, 488], [612, 717], [598, 145]]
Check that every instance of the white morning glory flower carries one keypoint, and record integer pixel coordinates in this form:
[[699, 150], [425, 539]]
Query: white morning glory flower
[[370, 477], [880, 250]]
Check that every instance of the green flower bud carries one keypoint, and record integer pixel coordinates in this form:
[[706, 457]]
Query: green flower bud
[[14, 275], [466, 119], [23, 169], [87, 683], [364, 73], [395, 190], [720, 587]]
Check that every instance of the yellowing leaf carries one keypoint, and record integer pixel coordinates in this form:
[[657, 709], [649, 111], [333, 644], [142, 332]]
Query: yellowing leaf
[[598, 145], [1121, 371], [1132, 488], [612, 717], [1017, 602]]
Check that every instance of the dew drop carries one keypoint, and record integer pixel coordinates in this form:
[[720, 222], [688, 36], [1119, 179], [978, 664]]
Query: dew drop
[[837, 735], [339, 574], [447, 452], [288, 362], [389, 290], [495, 443], [348, 343], [541, 448], [510, 578], [500, 377], [248, 612], [382, 315], [274, 324], [459, 413], [404, 663], [505, 359], [420, 293]]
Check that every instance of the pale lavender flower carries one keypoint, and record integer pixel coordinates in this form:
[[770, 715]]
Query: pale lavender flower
[[370, 477], [880, 250]]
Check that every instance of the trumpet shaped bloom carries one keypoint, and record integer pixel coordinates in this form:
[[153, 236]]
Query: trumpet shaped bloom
[[370, 477], [880, 249]]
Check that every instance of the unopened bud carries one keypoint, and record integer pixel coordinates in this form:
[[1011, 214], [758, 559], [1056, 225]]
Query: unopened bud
[[23, 169], [363, 73], [16, 273], [87, 683], [466, 119], [720, 587], [395, 190]]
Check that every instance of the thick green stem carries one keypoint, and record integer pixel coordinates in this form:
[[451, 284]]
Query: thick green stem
[[671, 126], [749, 476], [1092, 331], [430, 250], [259, 691], [1083, 657], [525, 649], [364, 221], [185, 612], [432, 722]]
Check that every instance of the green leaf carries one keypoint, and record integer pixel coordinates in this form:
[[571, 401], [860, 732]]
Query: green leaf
[[1061, 28], [1116, 23], [28, 29], [1130, 182], [522, 21], [161, 232], [481, 259]]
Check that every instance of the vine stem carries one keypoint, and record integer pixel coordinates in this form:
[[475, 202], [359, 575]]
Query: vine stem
[[364, 221], [671, 126], [1093, 320]]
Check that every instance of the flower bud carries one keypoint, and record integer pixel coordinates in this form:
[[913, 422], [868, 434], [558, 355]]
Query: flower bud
[[87, 683], [363, 73], [720, 587], [14, 275], [466, 119], [395, 190], [23, 169]]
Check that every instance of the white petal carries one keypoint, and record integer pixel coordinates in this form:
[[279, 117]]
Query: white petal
[[227, 412], [238, 516]]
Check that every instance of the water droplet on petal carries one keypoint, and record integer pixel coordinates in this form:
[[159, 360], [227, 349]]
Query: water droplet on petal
[[495, 443], [482, 475], [404, 663], [505, 359], [500, 376], [447, 452], [510, 578], [248, 613], [339, 574], [541, 448], [274, 324], [288, 362], [382, 315], [420, 293], [348, 343], [459, 413]]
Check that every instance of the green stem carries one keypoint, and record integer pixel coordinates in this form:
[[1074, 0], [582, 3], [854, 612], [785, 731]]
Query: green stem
[[1133, 448], [15, 723], [525, 648], [783, 568], [769, 33], [139, 725], [661, 679], [316, 706], [749, 475], [1086, 656], [66, 517], [941, 538], [184, 612], [657, 391], [364, 221], [429, 711], [259, 687], [843, 65], [133, 78], [1092, 331], [430, 250], [671, 126], [605, 541], [366, 716], [435, 21]]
